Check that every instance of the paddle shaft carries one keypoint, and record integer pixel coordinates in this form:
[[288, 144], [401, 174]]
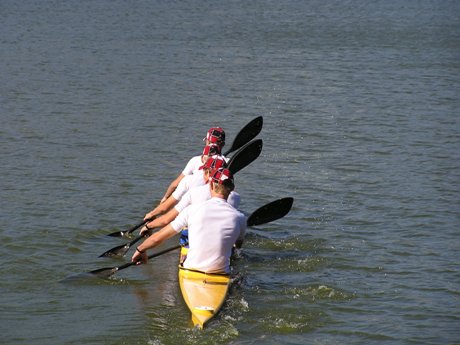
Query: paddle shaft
[[270, 212], [137, 226], [265, 214], [130, 230], [122, 249], [244, 136], [241, 159], [167, 250], [140, 224]]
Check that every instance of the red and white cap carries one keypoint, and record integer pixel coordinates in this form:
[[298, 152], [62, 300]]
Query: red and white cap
[[214, 162], [215, 135], [222, 176], [211, 150]]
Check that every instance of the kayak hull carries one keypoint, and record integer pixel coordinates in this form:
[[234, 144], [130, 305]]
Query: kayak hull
[[204, 293]]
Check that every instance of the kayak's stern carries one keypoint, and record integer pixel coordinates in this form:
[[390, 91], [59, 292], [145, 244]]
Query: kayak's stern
[[203, 293]]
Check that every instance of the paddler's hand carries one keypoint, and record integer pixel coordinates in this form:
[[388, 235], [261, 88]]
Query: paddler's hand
[[148, 215], [140, 257], [145, 231]]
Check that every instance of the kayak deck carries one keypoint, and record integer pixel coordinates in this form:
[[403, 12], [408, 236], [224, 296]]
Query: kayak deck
[[204, 293]]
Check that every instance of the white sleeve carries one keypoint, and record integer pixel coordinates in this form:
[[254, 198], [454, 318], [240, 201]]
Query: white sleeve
[[181, 221], [193, 164], [243, 226], [185, 201], [234, 199], [182, 188]]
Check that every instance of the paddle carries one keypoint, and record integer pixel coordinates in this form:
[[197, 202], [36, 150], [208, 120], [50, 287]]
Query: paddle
[[246, 134], [265, 214], [245, 156], [126, 233], [121, 250], [108, 271], [243, 137], [240, 160], [270, 212]]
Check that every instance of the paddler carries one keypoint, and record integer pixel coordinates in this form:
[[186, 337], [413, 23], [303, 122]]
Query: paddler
[[216, 136], [195, 195], [215, 227], [186, 183]]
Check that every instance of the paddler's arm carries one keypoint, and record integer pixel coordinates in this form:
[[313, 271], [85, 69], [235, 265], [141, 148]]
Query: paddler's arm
[[162, 221], [239, 243], [140, 255], [162, 208], [172, 187], [240, 239]]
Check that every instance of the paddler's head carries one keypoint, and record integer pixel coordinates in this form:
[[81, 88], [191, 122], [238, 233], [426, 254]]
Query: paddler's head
[[212, 163], [209, 151], [222, 182], [215, 135]]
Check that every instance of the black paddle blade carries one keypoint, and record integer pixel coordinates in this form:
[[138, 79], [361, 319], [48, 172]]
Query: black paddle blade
[[122, 249], [116, 251], [270, 212], [245, 156], [104, 272], [120, 234], [126, 233], [247, 133]]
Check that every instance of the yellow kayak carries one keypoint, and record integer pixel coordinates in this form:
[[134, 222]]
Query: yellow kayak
[[204, 293]]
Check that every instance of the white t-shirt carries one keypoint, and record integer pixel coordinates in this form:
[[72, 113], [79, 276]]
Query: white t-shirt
[[192, 166], [202, 193], [187, 183], [213, 228]]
